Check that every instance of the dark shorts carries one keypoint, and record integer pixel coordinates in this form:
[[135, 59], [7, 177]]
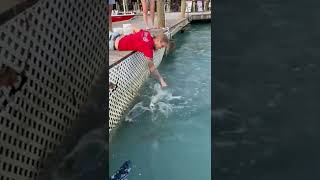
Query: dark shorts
[[112, 39]]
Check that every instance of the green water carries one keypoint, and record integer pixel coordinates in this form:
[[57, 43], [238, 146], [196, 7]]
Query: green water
[[167, 133]]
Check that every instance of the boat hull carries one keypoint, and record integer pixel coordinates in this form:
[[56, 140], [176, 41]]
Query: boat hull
[[117, 18]]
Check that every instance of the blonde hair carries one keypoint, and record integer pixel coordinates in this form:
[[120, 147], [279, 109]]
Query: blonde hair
[[163, 38]]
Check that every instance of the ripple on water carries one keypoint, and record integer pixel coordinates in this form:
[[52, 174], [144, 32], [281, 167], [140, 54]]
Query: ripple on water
[[172, 124]]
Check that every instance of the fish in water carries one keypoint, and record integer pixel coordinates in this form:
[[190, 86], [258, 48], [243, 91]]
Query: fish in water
[[123, 172]]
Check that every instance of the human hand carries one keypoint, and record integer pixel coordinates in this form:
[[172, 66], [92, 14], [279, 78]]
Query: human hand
[[163, 84]]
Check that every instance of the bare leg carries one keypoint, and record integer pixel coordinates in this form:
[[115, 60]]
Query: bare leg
[[152, 7], [109, 14], [145, 12]]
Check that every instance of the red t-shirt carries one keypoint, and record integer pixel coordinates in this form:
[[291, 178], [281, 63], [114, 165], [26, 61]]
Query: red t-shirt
[[141, 41]]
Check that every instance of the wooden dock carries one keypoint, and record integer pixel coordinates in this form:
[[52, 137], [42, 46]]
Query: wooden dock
[[199, 16], [173, 20]]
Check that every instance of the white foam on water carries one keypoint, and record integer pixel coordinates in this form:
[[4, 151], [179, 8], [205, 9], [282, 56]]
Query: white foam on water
[[137, 110], [165, 108], [158, 105]]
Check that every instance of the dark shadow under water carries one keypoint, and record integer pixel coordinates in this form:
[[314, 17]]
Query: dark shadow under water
[[266, 74], [84, 152]]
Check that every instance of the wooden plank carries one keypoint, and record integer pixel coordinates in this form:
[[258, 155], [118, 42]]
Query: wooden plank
[[199, 16]]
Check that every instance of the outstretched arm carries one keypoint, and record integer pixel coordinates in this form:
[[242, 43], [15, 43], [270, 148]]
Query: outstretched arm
[[156, 74]]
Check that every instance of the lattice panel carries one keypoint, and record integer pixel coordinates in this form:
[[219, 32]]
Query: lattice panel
[[57, 48], [128, 76]]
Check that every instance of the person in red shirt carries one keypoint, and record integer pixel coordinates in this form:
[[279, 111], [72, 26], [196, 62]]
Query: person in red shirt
[[143, 42]]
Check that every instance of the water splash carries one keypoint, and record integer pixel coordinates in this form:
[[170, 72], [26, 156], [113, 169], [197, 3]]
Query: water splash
[[160, 104], [165, 108], [136, 112]]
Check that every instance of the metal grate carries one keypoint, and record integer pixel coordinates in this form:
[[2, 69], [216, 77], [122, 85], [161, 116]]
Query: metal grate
[[57, 47], [128, 76]]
